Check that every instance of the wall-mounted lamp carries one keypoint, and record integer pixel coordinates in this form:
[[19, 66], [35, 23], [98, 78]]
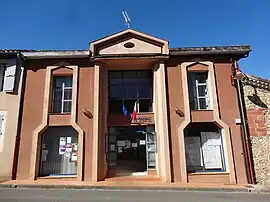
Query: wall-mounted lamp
[[179, 112], [87, 113], [239, 75]]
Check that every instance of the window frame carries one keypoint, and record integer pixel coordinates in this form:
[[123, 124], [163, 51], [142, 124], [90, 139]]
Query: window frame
[[193, 89], [63, 90], [122, 84], [201, 134], [3, 67], [51, 161]]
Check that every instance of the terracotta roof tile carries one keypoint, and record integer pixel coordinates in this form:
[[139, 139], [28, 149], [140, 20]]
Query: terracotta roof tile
[[241, 49], [257, 82]]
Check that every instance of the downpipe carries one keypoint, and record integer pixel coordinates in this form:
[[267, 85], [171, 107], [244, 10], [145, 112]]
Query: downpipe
[[20, 59], [245, 132]]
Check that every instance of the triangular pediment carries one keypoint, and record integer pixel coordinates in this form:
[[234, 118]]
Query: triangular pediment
[[129, 42]]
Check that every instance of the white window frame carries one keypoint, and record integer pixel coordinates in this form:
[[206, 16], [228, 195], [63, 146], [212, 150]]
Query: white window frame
[[206, 97], [204, 157], [2, 129], [196, 88], [218, 145], [3, 67], [63, 101], [63, 97]]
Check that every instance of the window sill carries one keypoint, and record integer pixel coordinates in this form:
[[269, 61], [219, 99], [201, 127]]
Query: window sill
[[201, 110], [57, 177], [138, 113], [142, 113], [68, 113], [210, 173]]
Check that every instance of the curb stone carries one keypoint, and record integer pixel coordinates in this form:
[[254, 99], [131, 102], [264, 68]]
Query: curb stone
[[89, 187]]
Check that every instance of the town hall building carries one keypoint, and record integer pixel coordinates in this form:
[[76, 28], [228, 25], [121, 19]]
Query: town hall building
[[131, 107]]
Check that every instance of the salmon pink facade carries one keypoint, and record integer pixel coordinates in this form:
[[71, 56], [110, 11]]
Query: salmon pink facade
[[130, 106]]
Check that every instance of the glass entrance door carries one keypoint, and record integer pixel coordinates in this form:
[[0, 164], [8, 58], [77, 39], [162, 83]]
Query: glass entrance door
[[131, 150]]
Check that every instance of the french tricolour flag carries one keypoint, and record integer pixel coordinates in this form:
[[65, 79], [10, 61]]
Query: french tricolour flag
[[134, 112]]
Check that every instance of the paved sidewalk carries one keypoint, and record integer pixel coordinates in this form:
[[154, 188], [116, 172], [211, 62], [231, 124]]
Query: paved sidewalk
[[127, 185], [83, 195]]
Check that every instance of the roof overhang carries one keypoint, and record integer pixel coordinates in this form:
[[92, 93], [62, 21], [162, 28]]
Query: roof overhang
[[11, 55], [56, 54], [241, 51]]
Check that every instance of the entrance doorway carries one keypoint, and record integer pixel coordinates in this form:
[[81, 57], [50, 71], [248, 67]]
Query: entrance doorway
[[129, 151]]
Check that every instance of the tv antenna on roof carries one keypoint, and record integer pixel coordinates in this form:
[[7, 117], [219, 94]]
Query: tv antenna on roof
[[127, 19]]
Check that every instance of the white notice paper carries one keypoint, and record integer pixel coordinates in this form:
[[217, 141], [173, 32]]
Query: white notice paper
[[75, 147], [112, 147], [211, 150], [74, 157], [68, 140], [62, 150], [67, 155], [121, 143], [69, 149], [44, 157], [45, 152], [142, 142], [128, 144], [134, 144], [62, 141]]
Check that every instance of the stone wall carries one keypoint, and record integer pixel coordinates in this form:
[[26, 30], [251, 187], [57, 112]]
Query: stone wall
[[257, 103]]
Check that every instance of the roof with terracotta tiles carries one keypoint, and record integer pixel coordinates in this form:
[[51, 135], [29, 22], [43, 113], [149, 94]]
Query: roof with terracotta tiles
[[235, 49], [257, 82], [174, 51], [32, 50]]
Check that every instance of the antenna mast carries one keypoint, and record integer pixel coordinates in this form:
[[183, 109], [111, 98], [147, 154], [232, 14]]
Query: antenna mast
[[127, 19]]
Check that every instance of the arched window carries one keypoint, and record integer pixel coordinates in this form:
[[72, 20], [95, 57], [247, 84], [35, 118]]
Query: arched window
[[59, 147], [204, 148]]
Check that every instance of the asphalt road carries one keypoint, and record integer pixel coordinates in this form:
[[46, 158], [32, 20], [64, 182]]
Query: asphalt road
[[46, 195]]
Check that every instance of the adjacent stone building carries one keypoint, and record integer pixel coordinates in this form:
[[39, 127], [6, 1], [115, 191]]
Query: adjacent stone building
[[257, 101]]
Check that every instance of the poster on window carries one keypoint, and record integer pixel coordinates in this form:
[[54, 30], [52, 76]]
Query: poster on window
[[134, 144], [193, 152], [74, 156], [68, 140], [121, 143], [62, 150], [75, 147], [62, 141], [211, 147]]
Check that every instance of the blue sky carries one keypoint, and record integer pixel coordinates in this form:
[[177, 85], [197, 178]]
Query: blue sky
[[72, 24]]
